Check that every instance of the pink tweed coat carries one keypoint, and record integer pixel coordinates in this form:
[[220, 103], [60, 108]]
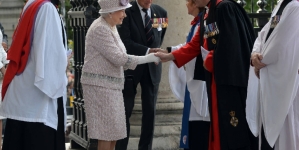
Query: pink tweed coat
[[105, 57]]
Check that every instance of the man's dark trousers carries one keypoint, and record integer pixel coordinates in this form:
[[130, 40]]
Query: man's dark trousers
[[148, 103]]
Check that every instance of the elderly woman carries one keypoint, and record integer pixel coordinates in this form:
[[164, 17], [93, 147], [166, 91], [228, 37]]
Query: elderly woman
[[3, 62], [103, 75]]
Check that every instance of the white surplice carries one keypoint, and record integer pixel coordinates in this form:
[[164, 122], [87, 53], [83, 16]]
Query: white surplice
[[3, 62], [179, 77], [32, 95], [273, 100]]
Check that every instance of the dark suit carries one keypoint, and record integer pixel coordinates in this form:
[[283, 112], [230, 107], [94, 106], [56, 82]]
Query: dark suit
[[132, 33]]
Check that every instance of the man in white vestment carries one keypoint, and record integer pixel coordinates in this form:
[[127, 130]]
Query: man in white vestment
[[272, 108], [34, 85]]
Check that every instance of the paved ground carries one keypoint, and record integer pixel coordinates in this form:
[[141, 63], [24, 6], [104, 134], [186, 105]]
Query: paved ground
[[67, 147]]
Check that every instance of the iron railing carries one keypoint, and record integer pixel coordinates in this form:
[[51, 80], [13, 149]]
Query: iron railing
[[82, 14]]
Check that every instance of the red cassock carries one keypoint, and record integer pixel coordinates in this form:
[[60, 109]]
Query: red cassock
[[183, 56]]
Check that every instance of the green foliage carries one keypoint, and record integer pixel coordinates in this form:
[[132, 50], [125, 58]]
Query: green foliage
[[71, 44]]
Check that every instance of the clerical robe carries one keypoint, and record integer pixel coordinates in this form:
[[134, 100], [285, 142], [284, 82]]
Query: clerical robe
[[273, 100]]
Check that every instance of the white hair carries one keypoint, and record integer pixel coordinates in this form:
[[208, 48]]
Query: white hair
[[104, 14]]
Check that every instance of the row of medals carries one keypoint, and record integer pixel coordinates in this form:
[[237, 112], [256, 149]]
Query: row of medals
[[159, 22], [211, 30]]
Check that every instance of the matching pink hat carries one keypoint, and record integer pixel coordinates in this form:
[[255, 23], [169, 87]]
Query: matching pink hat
[[108, 6]]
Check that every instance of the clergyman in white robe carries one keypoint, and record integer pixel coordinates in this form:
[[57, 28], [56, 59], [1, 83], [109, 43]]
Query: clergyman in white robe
[[35, 100], [273, 99]]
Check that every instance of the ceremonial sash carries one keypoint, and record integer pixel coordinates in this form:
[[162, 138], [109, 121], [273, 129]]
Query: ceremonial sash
[[21, 44]]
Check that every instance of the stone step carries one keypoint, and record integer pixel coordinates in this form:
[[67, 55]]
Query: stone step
[[167, 125], [169, 118], [7, 19], [160, 131], [12, 3], [162, 106], [160, 100], [9, 27], [15, 12], [159, 143], [9, 33]]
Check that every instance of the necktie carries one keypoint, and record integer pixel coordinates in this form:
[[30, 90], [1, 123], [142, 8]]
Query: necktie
[[148, 28]]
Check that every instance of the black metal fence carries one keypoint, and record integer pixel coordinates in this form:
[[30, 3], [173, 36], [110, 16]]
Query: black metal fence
[[257, 11], [82, 14]]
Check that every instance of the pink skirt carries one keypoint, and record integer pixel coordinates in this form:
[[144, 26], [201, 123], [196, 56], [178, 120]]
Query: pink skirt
[[105, 113]]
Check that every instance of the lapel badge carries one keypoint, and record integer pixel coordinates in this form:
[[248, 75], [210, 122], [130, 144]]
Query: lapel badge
[[234, 120], [214, 41], [155, 15]]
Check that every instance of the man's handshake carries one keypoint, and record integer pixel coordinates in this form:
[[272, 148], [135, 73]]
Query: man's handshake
[[160, 55]]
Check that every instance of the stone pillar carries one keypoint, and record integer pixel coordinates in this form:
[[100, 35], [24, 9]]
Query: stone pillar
[[169, 109]]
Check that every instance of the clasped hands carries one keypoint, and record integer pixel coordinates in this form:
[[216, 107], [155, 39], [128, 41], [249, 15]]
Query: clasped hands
[[256, 61], [162, 54]]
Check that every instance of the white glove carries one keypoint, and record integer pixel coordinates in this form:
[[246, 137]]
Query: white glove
[[148, 58]]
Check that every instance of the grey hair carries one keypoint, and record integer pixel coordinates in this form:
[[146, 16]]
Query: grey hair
[[104, 14]]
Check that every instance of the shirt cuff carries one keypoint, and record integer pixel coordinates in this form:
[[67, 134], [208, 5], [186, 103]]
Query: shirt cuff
[[169, 49], [147, 51]]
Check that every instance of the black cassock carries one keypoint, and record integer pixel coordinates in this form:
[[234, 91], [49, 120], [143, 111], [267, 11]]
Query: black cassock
[[232, 50]]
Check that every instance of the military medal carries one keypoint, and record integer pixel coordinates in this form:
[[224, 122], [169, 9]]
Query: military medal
[[164, 23], [234, 120], [275, 21], [214, 41], [213, 33], [155, 23], [211, 30], [160, 22]]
